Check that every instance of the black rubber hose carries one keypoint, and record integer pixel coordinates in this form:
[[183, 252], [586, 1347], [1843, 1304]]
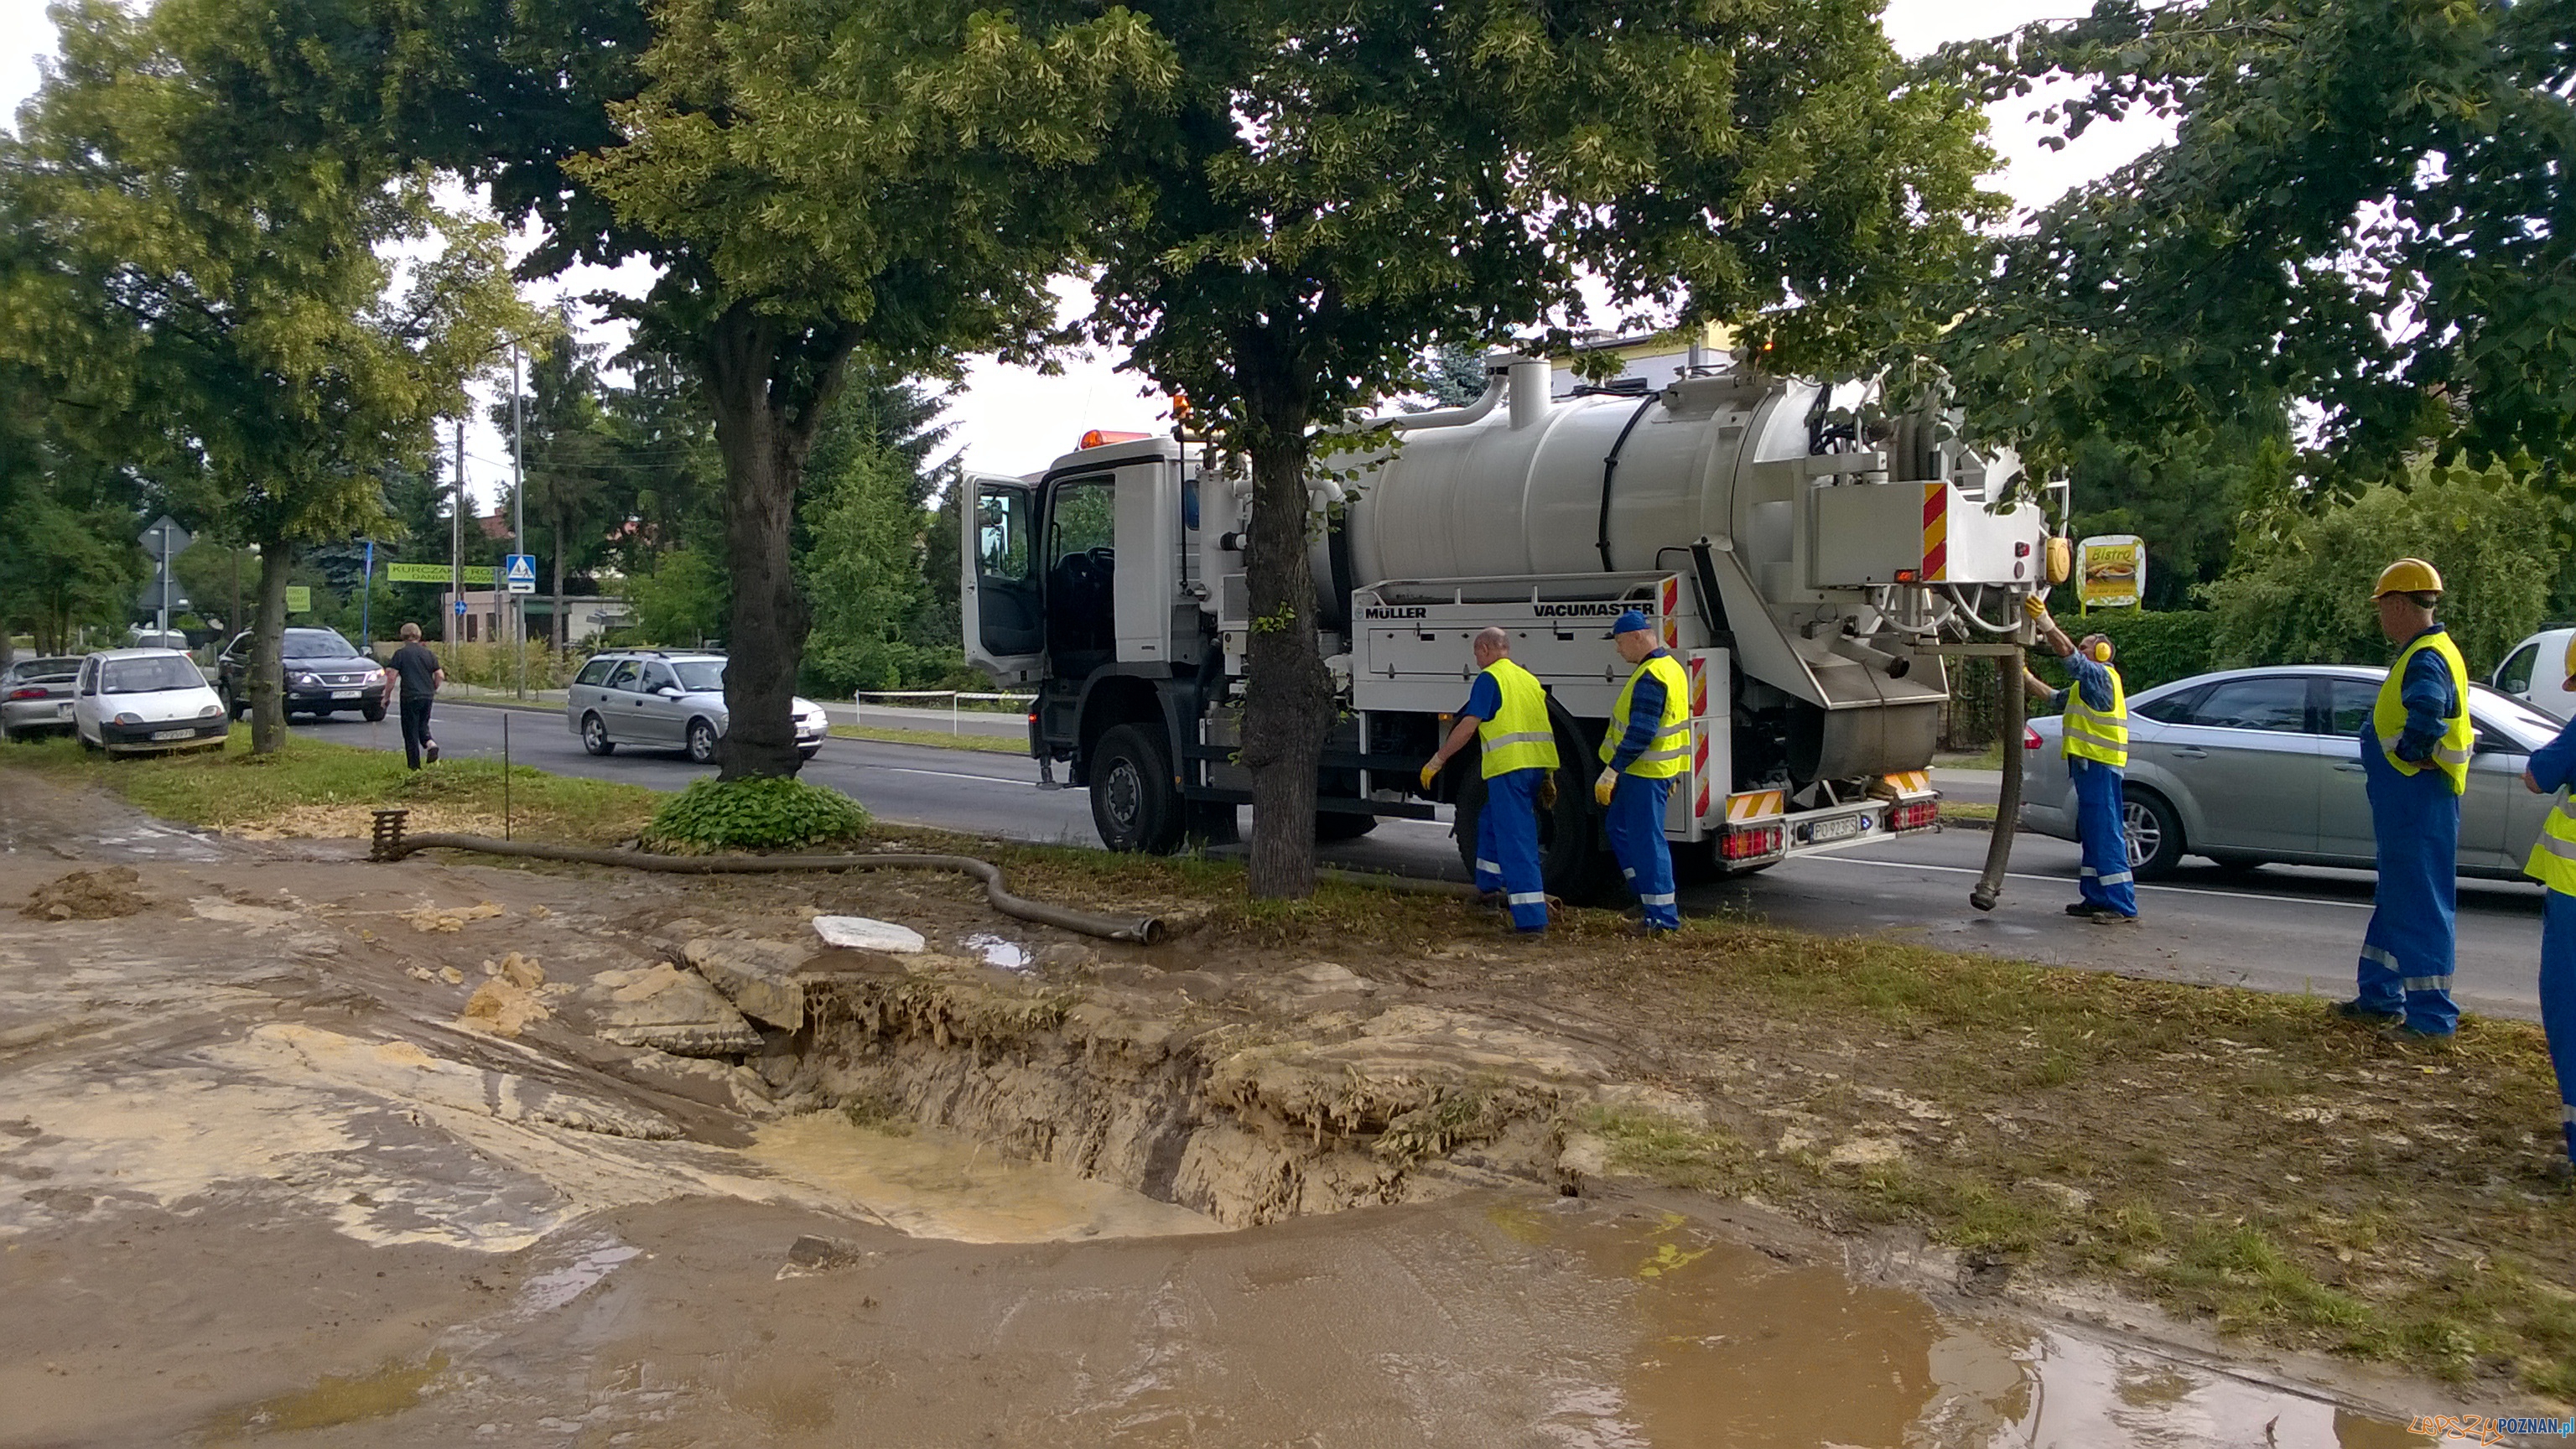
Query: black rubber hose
[[1144, 930], [1990, 885]]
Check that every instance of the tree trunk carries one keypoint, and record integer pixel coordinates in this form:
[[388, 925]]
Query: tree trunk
[[268, 634], [768, 390], [1288, 696]]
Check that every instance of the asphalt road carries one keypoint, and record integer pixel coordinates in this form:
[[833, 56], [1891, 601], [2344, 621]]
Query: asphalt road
[[2280, 928]]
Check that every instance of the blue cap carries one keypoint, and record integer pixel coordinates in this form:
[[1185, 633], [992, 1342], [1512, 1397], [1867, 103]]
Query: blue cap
[[1631, 622]]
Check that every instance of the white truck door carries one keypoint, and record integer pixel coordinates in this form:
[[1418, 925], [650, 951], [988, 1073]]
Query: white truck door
[[997, 589]]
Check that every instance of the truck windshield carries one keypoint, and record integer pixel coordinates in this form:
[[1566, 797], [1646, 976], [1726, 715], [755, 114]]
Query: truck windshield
[[147, 676]]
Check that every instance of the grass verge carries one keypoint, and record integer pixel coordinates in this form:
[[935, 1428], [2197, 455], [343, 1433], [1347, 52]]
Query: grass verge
[[316, 788], [936, 739]]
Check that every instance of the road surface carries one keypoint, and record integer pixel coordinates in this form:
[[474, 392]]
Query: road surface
[[2280, 928]]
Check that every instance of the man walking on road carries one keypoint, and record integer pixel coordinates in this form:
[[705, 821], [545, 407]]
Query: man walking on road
[[2095, 742], [2415, 761], [2553, 864], [418, 669], [1648, 744], [1506, 714]]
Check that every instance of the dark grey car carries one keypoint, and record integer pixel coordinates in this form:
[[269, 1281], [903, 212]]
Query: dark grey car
[[2255, 765], [36, 697]]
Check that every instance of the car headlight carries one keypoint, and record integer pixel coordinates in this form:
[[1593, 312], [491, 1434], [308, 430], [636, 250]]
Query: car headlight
[[308, 679], [210, 711], [129, 717]]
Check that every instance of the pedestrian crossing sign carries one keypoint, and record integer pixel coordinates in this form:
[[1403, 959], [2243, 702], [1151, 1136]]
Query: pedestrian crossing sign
[[521, 573]]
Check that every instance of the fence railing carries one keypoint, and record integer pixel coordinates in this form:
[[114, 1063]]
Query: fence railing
[[930, 698]]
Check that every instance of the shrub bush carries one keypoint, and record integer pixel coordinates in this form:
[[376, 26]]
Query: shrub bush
[[2149, 648], [773, 813]]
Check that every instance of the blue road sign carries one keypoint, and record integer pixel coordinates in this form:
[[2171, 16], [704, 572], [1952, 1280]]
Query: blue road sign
[[460, 608], [520, 572]]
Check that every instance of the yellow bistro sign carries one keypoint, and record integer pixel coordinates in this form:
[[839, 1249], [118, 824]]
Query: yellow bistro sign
[[2111, 571]]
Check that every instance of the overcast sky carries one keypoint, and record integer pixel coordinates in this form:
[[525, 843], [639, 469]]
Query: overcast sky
[[1012, 420]]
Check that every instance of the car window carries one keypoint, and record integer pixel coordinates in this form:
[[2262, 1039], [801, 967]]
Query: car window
[[702, 676], [628, 671], [2173, 708], [2514, 675], [659, 676], [2274, 702], [2508, 723], [144, 676], [316, 644], [595, 672], [2349, 703]]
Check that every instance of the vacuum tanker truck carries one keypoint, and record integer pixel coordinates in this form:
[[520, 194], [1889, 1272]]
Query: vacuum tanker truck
[[1804, 568]]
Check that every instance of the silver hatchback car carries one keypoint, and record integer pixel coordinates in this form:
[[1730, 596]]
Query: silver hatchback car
[[2254, 765], [665, 700]]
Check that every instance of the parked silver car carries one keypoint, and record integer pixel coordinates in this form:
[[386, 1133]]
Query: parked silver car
[[665, 700], [36, 697], [2254, 765]]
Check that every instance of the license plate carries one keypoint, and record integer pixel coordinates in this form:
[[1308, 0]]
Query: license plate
[[63, 710], [174, 734], [1840, 828], [347, 693]]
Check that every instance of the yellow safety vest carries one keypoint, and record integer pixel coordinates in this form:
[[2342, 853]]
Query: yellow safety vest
[[2553, 855], [1519, 736], [2092, 734], [2388, 717], [1668, 754]]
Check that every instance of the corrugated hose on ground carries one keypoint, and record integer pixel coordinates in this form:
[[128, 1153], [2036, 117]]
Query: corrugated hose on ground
[[391, 843]]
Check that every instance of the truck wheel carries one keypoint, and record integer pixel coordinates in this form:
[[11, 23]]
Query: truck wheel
[[1573, 862], [1333, 825], [1133, 802]]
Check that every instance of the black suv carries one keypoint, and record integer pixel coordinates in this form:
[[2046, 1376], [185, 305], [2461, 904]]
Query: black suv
[[324, 672]]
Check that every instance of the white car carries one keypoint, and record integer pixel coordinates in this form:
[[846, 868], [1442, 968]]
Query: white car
[[2530, 673], [666, 700], [137, 701]]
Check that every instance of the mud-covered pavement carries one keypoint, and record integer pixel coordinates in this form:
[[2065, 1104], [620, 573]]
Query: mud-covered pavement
[[294, 1146]]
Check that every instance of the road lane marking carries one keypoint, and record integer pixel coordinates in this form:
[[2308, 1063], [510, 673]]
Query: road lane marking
[[950, 775], [2064, 880]]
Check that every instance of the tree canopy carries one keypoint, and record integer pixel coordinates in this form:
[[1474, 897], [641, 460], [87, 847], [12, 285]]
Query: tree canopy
[[2366, 208]]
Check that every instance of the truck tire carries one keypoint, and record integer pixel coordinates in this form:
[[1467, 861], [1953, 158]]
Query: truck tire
[[1574, 859], [1332, 826], [1133, 803]]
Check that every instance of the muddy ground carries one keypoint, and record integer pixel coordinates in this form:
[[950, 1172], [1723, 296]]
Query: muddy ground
[[294, 1145]]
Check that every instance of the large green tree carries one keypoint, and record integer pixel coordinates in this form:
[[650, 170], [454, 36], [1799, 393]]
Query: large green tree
[[2367, 207], [1335, 190], [211, 285]]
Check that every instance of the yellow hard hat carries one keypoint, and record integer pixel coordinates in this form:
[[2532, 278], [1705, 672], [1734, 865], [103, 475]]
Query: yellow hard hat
[[2570, 671], [2407, 576]]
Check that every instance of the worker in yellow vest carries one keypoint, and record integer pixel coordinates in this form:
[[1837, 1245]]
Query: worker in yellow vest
[[1647, 746], [2553, 864], [2094, 738], [2415, 765], [1506, 715]]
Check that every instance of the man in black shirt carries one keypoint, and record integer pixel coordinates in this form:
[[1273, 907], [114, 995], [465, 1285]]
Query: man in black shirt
[[421, 677]]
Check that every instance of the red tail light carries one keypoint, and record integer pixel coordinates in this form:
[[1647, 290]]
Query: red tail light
[[1750, 842], [37, 693], [1914, 816], [2029, 737]]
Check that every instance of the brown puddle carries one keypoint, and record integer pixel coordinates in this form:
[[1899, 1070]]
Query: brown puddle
[[1733, 1348], [333, 1401]]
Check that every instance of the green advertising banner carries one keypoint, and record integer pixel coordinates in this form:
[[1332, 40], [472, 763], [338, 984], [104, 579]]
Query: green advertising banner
[[476, 575]]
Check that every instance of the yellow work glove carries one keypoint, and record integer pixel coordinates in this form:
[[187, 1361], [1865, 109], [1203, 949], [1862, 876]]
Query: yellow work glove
[[1602, 787], [2035, 605], [1430, 772]]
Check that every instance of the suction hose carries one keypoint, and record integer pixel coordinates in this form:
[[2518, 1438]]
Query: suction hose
[[1990, 885], [392, 844]]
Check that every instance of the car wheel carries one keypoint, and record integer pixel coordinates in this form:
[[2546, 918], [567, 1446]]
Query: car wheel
[[1334, 825], [1133, 803], [87, 744], [234, 706], [807, 752], [594, 736], [373, 714], [2154, 832], [2238, 864], [702, 742]]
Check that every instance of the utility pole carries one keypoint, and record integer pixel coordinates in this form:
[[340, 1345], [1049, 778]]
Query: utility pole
[[456, 542], [518, 518]]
